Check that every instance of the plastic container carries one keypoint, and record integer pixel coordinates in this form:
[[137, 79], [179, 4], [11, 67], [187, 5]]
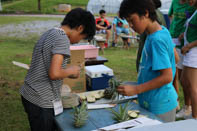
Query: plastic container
[[97, 77], [91, 51]]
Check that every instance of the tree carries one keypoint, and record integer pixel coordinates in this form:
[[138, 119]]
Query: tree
[[39, 5]]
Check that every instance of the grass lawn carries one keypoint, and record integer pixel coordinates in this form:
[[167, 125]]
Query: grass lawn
[[12, 115], [47, 6]]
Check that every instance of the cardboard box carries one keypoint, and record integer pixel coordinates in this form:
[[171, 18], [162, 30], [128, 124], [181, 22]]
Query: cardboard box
[[79, 84], [91, 51]]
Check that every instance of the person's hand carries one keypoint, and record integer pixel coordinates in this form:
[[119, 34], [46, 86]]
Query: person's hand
[[181, 36], [126, 26], [75, 71], [127, 90], [104, 28], [185, 49]]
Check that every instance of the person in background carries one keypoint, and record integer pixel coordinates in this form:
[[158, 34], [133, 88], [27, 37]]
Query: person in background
[[179, 12], [155, 88], [189, 51], [120, 26], [103, 26], [40, 93]]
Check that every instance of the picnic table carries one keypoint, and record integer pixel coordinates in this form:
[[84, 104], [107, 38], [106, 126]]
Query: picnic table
[[97, 118]]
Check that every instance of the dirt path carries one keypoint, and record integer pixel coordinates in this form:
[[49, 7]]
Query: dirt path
[[44, 15], [32, 28]]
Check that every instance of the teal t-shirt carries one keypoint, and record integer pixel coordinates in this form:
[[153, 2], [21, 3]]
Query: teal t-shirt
[[120, 22], [158, 54]]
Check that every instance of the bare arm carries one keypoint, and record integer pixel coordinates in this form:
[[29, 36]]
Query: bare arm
[[176, 56], [100, 27], [189, 46], [181, 36], [165, 77], [57, 72], [114, 27]]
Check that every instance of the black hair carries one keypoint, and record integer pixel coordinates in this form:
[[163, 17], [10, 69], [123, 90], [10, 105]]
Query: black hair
[[79, 16], [157, 3], [139, 7], [101, 12], [195, 4]]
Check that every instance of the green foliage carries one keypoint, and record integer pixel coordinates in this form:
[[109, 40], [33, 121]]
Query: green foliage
[[121, 115], [80, 115], [110, 92], [47, 6]]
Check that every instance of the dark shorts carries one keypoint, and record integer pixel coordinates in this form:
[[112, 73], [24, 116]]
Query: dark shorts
[[40, 119]]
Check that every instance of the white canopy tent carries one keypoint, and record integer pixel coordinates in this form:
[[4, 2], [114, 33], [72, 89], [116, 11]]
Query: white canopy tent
[[165, 6], [112, 6]]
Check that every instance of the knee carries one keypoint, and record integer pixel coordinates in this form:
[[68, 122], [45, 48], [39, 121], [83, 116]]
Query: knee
[[108, 32], [183, 81], [127, 31], [193, 88]]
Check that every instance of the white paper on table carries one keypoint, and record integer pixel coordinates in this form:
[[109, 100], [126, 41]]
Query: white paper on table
[[100, 106], [139, 122], [146, 122]]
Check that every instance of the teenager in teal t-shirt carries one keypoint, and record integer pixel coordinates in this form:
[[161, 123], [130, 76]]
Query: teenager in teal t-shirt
[[157, 55], [157, 68]]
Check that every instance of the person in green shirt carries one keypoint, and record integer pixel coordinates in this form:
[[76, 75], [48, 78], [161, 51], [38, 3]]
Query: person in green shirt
[[189, 51], [179, 12]]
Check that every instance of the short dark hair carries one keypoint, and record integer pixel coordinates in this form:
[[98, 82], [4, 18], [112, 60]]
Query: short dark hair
[[79, 16], [101, 12], [140, 7], [157, 3], [195, 4]]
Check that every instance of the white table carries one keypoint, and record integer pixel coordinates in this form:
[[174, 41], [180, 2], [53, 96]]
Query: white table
[[184, 125]]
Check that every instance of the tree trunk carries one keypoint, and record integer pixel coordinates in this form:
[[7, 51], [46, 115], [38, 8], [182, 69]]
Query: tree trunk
[[39, 5]]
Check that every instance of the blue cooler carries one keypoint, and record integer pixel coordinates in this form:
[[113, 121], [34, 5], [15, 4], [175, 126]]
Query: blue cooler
[[97, 77]]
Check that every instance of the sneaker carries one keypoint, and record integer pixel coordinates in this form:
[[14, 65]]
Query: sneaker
[[178, 107], [184, 112], [129, 44], [190, 117], [106, 45], [113, 44]]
